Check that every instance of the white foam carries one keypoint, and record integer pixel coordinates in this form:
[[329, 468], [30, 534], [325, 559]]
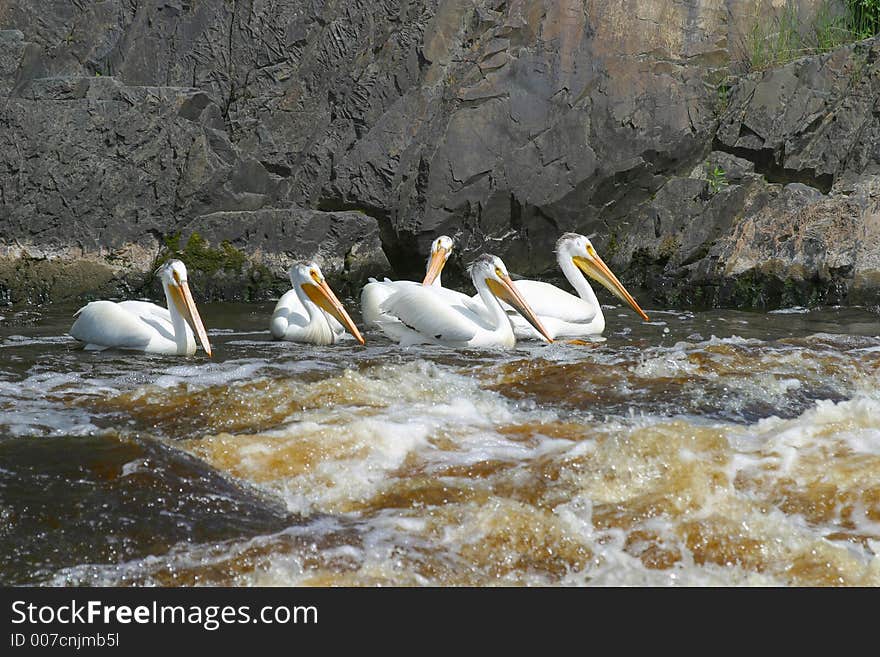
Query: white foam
[[210, 374], [671, 363], [27, 341], [732, 339], [854, 422], [794, 310], [409, 406], [33, 407], [45, 420], [134, 467], [377, 446], [413, 422]]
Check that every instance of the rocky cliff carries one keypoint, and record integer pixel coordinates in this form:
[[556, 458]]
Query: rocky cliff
[[785, 210], [251, 133]]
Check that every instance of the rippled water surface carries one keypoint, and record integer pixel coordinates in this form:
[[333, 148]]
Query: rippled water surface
[[716, 448]]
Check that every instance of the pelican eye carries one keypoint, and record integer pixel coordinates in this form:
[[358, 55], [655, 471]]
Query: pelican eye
[[176, 276], [499, 273], [315, 276]]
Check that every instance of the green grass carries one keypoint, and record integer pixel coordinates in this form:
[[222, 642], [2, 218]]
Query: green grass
[[864, 17], [198, 255], [206, 264], [717, 178], [723, 96], [789, 35]]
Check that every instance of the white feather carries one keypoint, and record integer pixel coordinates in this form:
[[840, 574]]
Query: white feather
[[373, 295], [549, 301], [418, 314], [144, 326], [135, 325], [293, 322], [562, 314], [298, 319]]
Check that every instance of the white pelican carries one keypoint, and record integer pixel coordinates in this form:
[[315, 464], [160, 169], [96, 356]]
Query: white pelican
[[441, 249], [143, 326], [310, 312], [563, 314], [415, 314], [375, 292]]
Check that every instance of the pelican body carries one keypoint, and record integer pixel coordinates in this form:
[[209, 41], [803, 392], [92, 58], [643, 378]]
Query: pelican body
[[144, 326], [564, 314], [419, 314], [310, 312], [376, 292]]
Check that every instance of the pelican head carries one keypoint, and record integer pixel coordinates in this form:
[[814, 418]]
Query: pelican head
[[441, 248], [584, 256], [174, 280], [308, 278], [493, 272]]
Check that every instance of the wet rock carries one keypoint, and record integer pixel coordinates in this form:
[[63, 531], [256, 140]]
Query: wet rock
[[94, 164], [865, 285], [38, 280], [12, 47], [812, 127], [666, 248], [814, 121], [756, 244], [112, 499], [500, 123], [250, 252], [803, 239], [784, 212]]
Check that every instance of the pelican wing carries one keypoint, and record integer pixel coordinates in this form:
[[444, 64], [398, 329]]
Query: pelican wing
[[109, 324], [462, 302], [549, 301], [429, 313], [154, 316], [290, 303], [373, 295], [146, 309], [289, 310]]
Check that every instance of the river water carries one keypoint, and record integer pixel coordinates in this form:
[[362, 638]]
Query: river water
[[709, 448]]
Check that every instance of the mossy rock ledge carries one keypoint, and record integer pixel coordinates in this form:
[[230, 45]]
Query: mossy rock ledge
[[230, 256], [245, 256]]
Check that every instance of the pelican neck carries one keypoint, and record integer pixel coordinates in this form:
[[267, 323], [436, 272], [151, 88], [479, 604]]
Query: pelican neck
[[500, 321], [182, 337], [576, 277]]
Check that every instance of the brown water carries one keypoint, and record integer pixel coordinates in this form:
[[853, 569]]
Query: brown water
[[716, 448]]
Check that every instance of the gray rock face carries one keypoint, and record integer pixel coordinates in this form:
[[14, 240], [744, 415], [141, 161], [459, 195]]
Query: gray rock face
[[502, 123], [815, 120], [755, 244], [785, 212], [92, 163], [345, 245], [11, 50], [93, 169], [866, 270]]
